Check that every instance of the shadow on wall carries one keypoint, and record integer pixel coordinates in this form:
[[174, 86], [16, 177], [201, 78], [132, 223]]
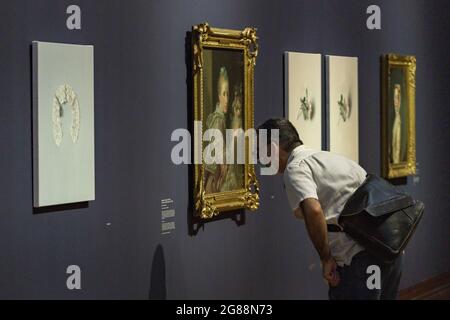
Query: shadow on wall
[[61, 207], [158, 289]]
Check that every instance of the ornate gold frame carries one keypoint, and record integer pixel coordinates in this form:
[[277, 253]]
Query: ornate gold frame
[[407, 168], [204, 36]]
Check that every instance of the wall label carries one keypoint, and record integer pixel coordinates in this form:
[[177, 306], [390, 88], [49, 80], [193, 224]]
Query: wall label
[[167, 216]]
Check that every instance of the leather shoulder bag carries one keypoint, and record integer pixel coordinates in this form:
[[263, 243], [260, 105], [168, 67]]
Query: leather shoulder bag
[[381, 217]]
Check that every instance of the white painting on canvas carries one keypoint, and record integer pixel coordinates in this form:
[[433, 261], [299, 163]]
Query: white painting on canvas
[[342, 105], [303, 96], [63, 124]]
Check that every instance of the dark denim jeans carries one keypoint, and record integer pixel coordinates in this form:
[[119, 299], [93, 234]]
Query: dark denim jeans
[[353, 284]]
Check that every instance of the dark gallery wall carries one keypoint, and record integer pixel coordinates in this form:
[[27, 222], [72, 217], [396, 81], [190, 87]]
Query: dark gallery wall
[[141, 97]]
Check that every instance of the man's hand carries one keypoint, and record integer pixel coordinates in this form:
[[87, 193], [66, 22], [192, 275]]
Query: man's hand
[[317, 231], [330, 273]]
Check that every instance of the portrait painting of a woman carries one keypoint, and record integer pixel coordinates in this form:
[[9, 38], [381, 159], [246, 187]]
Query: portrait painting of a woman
[[398, 116], [223, 63], [224, 93], [397, 126]]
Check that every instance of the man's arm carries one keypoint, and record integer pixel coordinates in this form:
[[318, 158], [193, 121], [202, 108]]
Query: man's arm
[[317, 230]]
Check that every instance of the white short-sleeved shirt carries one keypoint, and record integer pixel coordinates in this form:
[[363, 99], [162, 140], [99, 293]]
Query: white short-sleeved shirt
[[331, 179]]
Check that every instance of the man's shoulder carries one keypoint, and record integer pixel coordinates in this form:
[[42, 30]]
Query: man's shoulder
[[295, 170], [300, 153], [328, 156], [338, 170], [296, 164]]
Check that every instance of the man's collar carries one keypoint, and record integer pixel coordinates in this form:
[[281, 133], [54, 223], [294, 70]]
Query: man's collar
[[296, 151]]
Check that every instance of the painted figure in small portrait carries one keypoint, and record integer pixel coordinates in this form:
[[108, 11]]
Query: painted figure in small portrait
[[224, 110], [397, 125], [398, 117], [215, 173], [235, 172]]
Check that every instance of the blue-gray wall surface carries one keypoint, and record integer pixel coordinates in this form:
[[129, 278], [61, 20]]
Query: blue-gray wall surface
[[141, 97]]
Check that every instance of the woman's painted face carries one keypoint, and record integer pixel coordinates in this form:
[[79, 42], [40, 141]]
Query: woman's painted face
[[223, 95]]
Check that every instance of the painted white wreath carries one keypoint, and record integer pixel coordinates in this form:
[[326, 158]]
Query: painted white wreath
[[65, 95]]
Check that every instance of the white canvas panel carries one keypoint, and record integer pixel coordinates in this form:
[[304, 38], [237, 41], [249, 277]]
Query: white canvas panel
[[303, 96], [342, 105], [63, 123]]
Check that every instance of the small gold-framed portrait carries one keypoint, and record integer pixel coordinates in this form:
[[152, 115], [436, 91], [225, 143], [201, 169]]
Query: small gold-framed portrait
[[223, 69], [398, 116]]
